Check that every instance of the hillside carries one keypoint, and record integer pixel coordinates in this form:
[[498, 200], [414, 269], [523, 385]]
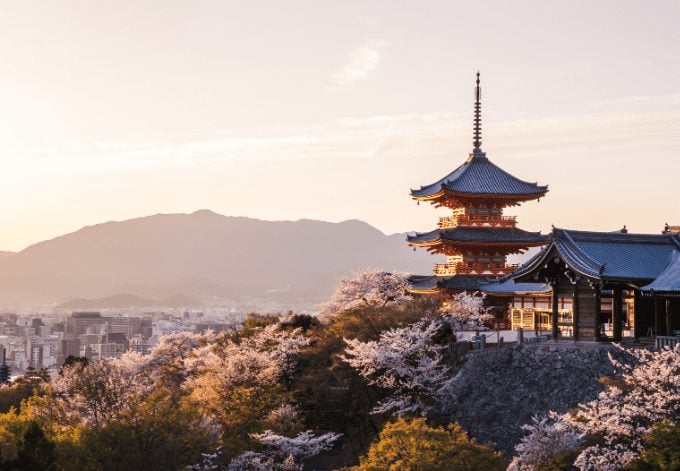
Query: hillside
[[204, 256]]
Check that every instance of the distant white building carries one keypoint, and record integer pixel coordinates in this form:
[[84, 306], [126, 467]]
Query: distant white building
[[36, 356]]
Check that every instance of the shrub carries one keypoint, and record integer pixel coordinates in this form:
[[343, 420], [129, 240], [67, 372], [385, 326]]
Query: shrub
[[412, 444]]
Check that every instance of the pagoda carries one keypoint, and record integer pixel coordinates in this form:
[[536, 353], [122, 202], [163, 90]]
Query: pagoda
[[477, 237]]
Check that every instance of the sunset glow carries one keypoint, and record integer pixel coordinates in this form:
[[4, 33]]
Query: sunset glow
[[333, 111]]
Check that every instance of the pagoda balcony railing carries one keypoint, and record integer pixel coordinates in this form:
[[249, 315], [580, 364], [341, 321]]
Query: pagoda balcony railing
[[477, 220], [486, 269]]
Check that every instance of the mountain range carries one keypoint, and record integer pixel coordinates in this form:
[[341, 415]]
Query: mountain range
[[199, 257]]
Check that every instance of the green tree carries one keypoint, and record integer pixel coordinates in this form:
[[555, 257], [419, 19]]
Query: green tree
[[12, 395], [23, 387], [662, 450], [412, 444], [36, 451]]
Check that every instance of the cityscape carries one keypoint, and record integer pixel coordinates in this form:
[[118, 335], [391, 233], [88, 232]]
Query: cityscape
[[46, 341]]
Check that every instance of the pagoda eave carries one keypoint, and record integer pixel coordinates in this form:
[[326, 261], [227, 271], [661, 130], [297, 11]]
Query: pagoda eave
[[432, 284], [449, 198], [477, 244], [425, 291]]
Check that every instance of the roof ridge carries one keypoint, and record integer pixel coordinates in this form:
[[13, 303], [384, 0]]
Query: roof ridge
[[625, 239], [676, 240], [577, 255], [532, 262]]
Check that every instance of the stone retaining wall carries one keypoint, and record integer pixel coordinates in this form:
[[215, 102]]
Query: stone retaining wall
[[499, 390]]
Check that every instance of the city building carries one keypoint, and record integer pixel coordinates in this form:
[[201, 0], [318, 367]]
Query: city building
[[69, 347], [112, 345], [84, 322], [124, 325], [36, 356], [139, 345], [4, 369]]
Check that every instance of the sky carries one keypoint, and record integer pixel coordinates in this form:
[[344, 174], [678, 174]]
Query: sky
[[333, 110]]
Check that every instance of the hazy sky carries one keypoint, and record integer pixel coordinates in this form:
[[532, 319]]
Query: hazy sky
[[333, 110]]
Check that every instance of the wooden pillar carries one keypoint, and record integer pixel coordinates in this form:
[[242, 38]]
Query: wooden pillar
[[669, 325], [555, 312], [617, 315], [598, 313], [636, 316], [656, 315], [575, 311], [537, 323]]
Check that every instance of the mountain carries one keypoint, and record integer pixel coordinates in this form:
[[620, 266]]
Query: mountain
[[204, 256]]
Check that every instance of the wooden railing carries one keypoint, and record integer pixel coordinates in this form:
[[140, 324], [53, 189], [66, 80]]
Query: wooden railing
[[666, 342], [459, 349], [477, 220], [450, 269]]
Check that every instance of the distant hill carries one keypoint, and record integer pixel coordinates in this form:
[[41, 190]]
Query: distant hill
[[205, 256]]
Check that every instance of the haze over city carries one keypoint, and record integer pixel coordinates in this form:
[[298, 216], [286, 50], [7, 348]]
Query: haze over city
[[332, 111]]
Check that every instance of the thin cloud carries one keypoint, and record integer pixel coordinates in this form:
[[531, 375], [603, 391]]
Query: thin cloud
[[619, 126], [361, 63]]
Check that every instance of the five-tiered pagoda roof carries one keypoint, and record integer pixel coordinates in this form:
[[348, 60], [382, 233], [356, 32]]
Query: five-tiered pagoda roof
[[476, 238]]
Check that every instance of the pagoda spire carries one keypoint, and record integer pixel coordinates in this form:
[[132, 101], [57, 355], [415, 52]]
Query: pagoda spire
[[477, 142]]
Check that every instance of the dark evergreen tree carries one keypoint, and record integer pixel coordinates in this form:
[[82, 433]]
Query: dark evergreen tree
[[37, 452], [4, 374]]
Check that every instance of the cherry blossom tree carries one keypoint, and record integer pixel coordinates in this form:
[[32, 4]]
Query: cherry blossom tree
[[372, 287], [547, 438], [253, 461], [646, 394], [405, 361], [167, 361], [240, 382], [304, 445], [285, 418], [95, 392], [466, 311], [284, 453], [260, 360]]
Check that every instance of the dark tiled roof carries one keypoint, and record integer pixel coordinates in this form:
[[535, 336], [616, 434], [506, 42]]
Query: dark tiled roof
[[454, 283], [509, 286], [669, 278], [478, 175], [479, 234], [114, 337], [612, 256]]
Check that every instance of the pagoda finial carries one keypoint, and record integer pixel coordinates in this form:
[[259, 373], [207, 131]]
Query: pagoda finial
[[478, 117]]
